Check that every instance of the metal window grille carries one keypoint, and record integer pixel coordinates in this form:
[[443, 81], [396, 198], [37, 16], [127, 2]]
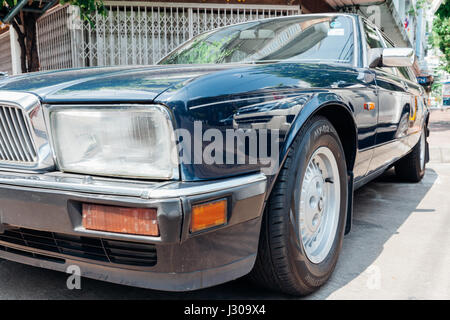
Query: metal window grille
[[55, 41]]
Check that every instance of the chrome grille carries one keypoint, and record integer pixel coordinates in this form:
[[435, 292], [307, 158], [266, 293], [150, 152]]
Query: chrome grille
[[15, 140]]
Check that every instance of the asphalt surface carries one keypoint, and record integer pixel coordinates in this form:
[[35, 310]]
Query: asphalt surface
[[399, 247]]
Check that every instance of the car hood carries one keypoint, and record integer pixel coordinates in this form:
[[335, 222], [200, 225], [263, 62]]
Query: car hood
[[109, 84]]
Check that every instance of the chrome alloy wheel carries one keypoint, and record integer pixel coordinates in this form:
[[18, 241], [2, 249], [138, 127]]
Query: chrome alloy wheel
[[422, 151], [320, 197]]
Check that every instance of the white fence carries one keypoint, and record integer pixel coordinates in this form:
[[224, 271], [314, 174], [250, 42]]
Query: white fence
[[134, 33], [5, 53]]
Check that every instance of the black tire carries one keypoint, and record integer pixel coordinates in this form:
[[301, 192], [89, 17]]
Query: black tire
[[282, 263], [409, 168]]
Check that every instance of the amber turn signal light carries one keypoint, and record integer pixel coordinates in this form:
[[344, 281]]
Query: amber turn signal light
[[139, 221], [369, 106], [208, 215]]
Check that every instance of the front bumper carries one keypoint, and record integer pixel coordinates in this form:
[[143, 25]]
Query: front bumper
[[49, 206]]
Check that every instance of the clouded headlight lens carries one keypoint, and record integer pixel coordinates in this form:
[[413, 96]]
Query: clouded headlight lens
[[134, 142]]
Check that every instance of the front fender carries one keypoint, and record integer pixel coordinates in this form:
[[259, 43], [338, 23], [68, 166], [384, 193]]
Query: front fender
[[326, 104], [315, 105]]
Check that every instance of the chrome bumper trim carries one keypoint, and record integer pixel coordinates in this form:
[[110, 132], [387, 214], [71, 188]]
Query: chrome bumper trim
[[129, 188]]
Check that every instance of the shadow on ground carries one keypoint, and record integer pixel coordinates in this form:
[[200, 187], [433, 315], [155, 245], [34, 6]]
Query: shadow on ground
[[380, 209]]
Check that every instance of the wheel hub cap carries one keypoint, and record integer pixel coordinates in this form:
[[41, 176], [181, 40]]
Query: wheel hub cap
[[319, 204], [315, 195]]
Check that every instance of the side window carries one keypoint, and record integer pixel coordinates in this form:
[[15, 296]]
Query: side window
[[388, 43], [408, 74], [372, 37], [403, 72], [373, 40]]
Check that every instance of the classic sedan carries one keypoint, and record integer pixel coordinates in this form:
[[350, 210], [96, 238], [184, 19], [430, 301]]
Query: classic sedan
[[238, 153]]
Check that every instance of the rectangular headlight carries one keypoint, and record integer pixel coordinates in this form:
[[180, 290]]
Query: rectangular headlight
[[132, 142]]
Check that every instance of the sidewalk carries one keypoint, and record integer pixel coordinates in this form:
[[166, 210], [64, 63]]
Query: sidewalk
[[440, 136]]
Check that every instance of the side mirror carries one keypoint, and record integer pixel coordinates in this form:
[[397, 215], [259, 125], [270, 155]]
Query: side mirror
[[398, 57], [391, 57]]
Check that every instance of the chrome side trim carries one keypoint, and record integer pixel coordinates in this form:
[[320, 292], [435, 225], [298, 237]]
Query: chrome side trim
[[184, 189], [131, 188], [33, 119]]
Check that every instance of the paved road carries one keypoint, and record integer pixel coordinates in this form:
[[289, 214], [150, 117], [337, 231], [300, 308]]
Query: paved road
[[399, 248]]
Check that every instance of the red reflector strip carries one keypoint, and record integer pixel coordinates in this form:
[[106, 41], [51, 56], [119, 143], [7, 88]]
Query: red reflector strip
[[139, 221]]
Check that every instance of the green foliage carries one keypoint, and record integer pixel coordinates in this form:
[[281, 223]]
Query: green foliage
[[202, 51], [10, 3], [436, 87], [87, 8], [444, 10], [441, 32], [419, 5]]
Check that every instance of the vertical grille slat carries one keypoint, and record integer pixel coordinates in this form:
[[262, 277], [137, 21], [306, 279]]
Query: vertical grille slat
[[24, 130], [6, 153], [4, 137], [3, 154], [8, 136], [18, 139], [15, 140]]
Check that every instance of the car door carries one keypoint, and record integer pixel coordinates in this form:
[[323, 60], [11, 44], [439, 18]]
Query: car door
[[364, 101], [393, 109], [416, 103]]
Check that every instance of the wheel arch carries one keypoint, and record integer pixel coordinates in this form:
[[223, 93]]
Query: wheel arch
[[344, 123], [342, 118]]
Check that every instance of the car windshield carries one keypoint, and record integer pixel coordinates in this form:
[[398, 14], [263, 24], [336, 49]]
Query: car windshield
[[328, 39]]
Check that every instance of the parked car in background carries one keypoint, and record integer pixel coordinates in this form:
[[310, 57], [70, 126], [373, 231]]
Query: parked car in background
[[446, 102], [96, 169], [3, 74], [446, 95]]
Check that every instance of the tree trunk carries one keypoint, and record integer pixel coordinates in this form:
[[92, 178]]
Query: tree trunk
[[27, 37], [30, 31]]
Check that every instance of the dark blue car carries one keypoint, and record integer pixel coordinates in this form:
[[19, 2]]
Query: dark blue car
[[238, 153]]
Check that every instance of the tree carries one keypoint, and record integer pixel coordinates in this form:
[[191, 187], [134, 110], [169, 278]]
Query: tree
[[441, 32], [22, 15]]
